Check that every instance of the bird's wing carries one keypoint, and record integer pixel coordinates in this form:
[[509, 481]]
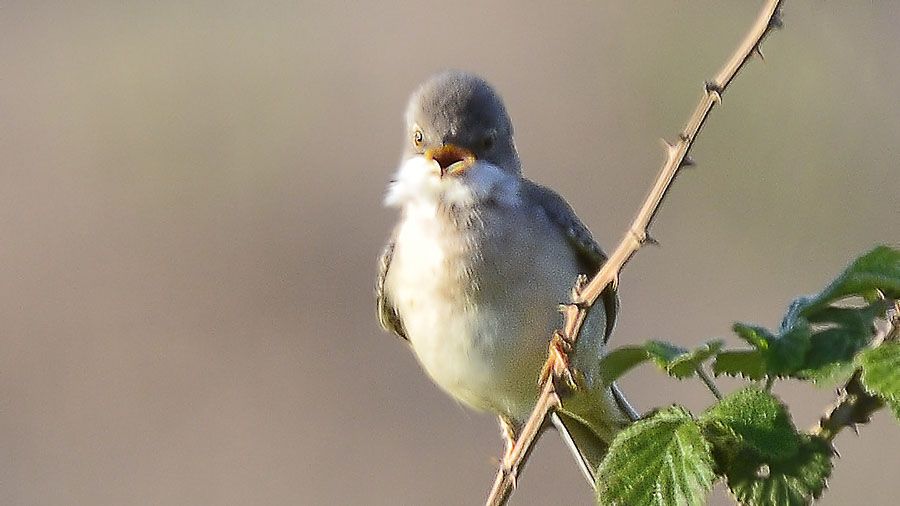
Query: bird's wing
[[589, 254], [387, 313]]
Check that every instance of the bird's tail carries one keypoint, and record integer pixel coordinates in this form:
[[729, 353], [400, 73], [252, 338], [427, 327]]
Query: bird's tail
[[589, 441]]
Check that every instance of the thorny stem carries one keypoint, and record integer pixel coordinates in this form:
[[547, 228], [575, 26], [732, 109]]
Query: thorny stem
[[635, 237]]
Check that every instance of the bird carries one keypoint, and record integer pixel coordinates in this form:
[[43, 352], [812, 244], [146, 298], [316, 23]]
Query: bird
[[473, 273]]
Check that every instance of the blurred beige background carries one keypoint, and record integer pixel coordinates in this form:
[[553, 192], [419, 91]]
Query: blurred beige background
[[190, 216]]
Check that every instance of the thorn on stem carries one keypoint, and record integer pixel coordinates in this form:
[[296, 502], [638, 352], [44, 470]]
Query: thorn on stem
[[648, 239], [671, 147], [687, 161], [712, 87], [758, 52]]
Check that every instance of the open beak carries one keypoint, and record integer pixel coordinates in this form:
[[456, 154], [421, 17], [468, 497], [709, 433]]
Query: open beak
[[452, 159]]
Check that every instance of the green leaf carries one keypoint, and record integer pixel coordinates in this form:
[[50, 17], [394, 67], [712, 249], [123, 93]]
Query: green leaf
[[881, 371], [621, 360], [780, 355], [758, 337], [895, 407], [795, 481], [753, 419], [746, 363], [852, 319], [827, 375], [817, 341], [787, 353], [678, 362], [663, 353], [877, 270], [686, 365], [850, 329], [659, 461], [674, 360]]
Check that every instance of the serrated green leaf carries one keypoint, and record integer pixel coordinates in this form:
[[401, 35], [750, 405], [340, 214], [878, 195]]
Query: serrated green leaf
[[662, 352], [795, 481], [780, 354], [679, 362], [746, 363], [895, 407], [787, 353], [758, 337], [686, 365], [850, 329], [659, 461], [674, 360], [755, 420], [827, 375], [877, 270], [621, 360], [856, 319], [881, 371]]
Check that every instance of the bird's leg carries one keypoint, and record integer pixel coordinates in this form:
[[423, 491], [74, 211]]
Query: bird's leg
[[508, 433], [558, 365]]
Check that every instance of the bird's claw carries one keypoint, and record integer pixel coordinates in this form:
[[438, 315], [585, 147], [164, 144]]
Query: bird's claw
[[557, 367], [508, 433]]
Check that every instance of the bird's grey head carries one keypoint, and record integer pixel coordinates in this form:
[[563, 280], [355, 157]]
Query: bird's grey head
[[457, 117]]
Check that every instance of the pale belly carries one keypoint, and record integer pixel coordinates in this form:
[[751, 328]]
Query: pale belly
[[482, 358], [478, 325]]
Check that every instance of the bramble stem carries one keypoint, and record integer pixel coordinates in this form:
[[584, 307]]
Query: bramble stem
[[635, 237]]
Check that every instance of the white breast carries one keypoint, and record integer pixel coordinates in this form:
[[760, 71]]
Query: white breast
[[430, 288], [477, 323]]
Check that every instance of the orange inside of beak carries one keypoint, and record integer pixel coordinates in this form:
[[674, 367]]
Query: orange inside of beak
[[452, 159]]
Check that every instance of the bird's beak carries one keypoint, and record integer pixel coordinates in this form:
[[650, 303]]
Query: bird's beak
[[452, 159]]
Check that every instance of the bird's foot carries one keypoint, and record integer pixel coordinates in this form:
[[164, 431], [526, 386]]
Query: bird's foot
[[558, 367], [508, 433]]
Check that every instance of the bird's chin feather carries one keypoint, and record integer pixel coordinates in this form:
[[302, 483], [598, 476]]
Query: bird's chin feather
[[418, 181]]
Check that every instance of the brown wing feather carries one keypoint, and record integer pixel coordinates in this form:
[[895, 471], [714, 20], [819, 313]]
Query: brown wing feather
[[589, 253]]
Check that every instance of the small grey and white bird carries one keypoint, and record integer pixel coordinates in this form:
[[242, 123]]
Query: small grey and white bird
[[479, 262]]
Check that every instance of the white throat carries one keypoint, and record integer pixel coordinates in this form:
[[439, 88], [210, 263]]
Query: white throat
[[418, 182]]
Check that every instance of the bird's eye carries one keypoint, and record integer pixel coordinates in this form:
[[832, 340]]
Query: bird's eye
[[418, 138], [488, 142]]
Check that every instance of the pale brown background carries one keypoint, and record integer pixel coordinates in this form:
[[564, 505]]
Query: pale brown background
[[190, 216]]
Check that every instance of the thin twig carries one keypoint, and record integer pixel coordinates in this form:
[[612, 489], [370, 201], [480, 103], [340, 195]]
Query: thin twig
[[710, 384], [854, 404], [637, 234]]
